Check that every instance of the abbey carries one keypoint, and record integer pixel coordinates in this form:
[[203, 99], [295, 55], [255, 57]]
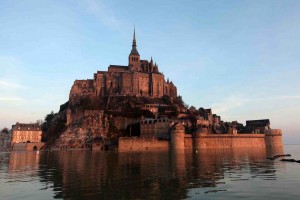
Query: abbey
[[133, 107], [138, 78]]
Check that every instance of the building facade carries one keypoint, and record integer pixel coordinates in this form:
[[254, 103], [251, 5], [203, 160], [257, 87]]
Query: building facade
[[155, 128], [138, 78], [26, 133]]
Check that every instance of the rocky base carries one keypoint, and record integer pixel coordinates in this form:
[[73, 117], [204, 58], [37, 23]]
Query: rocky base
[[81, 133]]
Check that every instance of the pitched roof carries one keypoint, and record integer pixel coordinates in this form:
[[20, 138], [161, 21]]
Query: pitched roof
[[26, 127], [261, 122], [118, 66]]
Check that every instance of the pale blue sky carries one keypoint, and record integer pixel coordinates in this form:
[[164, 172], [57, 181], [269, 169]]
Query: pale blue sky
[[241, 58]]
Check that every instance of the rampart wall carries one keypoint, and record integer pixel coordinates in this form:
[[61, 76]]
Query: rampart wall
[[228, 141], [27, 146], [210, 141], [141, 144]]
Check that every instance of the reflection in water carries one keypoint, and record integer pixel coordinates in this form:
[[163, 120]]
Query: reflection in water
[[23, 166], [143, 175]]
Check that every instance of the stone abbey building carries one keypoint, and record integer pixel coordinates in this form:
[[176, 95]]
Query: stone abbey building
[[145, 120], [138, 78]]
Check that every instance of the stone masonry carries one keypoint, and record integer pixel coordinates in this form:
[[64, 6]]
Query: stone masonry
[[138, 78]]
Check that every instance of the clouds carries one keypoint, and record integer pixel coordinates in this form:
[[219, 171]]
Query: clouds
[[9, 85], [231, 102], [103, 14], [11, 80], [228, 103], [11, 99]]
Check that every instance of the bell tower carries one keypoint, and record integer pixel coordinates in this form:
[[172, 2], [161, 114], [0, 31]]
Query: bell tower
[[134, 56]]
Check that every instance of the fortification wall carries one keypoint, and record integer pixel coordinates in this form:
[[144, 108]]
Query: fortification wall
[[228, 141], [19, 147], [272, 142], [27, 146], [142, 144]]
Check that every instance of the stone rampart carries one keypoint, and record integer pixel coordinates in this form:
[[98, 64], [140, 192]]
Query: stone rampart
[[273, 138], [227, 141], [27, 146], [209, 141], [142, 144]]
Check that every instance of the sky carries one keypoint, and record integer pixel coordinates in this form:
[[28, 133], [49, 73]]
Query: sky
[[241, 58]]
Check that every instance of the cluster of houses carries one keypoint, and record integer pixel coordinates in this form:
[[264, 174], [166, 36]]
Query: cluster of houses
[[193, 120], [28, 136]]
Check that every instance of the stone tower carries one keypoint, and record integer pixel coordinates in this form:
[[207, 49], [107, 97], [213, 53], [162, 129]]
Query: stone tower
[[177, 136], [134, 56]]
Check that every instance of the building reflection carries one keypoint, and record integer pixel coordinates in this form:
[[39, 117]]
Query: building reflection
[[23, 165], [154, 175]]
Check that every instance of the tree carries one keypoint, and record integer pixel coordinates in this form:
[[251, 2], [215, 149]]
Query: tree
[[178, 100], [166, 100], [5, 130], [39, 122], [192, 109], [49, 117]]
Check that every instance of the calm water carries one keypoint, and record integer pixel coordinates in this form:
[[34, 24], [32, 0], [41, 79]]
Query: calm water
[[217, 174]]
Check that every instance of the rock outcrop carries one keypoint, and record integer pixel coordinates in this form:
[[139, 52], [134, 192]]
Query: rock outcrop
[[81, 133]]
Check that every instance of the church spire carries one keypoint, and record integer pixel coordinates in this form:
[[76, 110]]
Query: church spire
[[134, 51], [134, 56], [134, 35]]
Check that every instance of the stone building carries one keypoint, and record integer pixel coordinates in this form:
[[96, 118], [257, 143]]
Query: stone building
[[26, 133], [257, 126], [138, 78], [155, 128]]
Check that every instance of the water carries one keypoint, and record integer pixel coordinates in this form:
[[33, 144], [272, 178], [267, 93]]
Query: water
[[210, 174]]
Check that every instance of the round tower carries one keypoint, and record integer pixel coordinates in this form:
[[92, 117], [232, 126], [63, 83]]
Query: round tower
[[177, 136], [273, 140]]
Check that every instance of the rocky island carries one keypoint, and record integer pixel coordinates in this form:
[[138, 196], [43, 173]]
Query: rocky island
[[133, 107]]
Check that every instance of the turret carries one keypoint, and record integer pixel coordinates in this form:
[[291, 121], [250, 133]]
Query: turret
[[177, 136], [273, 140]]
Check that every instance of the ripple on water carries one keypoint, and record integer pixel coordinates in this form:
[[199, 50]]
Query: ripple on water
[[159, 175]]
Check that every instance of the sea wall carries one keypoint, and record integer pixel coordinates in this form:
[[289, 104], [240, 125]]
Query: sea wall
[[272, 139], [27, 146], [226, 141], [142, 144]]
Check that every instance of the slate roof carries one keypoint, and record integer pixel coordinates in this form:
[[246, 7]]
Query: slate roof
[[260, 122], [119, 66], [26, 127]]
